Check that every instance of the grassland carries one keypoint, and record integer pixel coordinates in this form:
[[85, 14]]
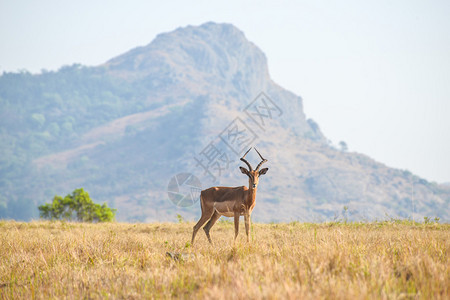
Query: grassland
[[389, 260]]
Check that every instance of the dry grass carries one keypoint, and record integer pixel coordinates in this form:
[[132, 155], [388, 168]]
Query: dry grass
[[298, 260]]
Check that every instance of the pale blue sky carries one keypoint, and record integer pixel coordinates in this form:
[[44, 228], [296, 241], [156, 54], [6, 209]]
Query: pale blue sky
[[375, 74]]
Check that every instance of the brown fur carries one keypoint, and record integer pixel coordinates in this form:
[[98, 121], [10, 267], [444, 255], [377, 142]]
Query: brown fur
[[230, 202]]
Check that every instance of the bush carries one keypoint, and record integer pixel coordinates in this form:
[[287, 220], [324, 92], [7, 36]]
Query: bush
[[76, 206]]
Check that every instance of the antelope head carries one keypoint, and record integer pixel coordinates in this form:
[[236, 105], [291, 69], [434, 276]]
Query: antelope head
[[253, 175]]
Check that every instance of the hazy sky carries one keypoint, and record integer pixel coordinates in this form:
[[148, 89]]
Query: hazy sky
[[375, 74]]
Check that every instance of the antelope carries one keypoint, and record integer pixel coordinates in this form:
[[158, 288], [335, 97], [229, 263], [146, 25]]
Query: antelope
[[230, 201]]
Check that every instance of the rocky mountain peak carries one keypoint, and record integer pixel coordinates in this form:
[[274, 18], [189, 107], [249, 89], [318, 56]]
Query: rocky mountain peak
[[212, 51]]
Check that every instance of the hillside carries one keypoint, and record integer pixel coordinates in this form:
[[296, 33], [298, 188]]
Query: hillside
[[197, 96]]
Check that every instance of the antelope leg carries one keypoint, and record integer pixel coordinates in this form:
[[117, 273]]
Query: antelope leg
[[236, 225]]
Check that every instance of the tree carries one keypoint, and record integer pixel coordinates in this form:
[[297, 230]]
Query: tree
[[343, 146], [76, 206]]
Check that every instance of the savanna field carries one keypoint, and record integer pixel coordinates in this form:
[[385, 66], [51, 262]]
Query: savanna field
[[387, 260]]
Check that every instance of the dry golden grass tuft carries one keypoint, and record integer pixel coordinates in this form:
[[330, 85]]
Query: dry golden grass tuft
[[392, 260]]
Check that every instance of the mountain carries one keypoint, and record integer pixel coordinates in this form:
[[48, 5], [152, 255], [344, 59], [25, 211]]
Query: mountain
[[148, 129]]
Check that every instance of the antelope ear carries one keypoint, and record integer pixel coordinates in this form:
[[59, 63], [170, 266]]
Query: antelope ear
[[263, 171], [244, 170]]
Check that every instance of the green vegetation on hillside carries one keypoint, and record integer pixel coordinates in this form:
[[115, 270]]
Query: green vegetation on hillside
[[45, 113]]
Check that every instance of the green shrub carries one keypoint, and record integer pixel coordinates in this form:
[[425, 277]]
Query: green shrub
[[76, 206]]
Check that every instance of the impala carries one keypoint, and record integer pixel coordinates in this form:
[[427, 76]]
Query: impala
[[230, 201]]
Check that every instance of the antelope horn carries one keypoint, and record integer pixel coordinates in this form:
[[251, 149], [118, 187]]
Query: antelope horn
[[263, 160], [244, 160]]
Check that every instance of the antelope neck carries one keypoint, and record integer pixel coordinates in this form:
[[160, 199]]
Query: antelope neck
[[251, 197]]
